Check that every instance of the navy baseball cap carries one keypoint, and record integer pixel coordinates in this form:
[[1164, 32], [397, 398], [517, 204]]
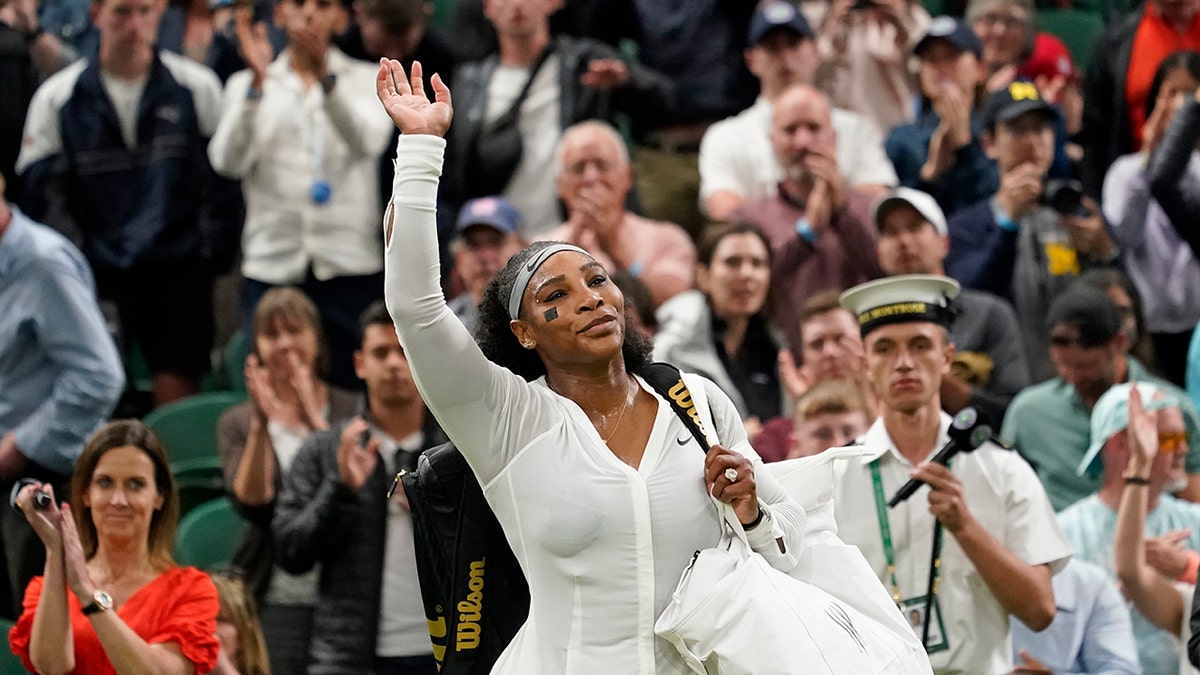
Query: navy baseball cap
[[1018, 98], [777, 14], [952, 30], [495, 212]]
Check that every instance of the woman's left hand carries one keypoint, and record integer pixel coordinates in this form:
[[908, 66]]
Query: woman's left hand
[[737, 487], [78, 578]]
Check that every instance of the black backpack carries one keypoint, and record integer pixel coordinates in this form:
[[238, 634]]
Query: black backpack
[[475, 595]]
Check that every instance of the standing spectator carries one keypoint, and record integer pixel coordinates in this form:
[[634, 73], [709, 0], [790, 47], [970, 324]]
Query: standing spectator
[[369, 616], [484, 239], [304, 135], [695, 45], [736, 161], [111, 599], [514, 105], [258, 442], [865, 47], [1091, 524], [18, 81], [60, 376], [1049, 422], [594, 179], [721, 329], [1165, 247], [989, 360], [942, 152], [1000, 545], [114, 152], [1117, 82], [1012, 243], [818, 227]]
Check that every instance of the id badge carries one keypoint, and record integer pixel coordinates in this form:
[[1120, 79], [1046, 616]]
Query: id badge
[[913, 610]]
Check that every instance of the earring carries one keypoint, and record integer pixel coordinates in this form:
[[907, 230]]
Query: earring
[[528, 345]]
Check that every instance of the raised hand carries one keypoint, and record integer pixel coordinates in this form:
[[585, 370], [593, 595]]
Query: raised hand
[[797, 380], [263, 398], [79, 580], [308, 392], [406, 103], [355, 462], [605, 74], [253, 44], [45, 522], [1142, 435]]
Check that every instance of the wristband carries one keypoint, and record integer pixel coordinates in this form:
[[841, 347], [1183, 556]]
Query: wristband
[[754, 523], [804, 229], [1136, 480]]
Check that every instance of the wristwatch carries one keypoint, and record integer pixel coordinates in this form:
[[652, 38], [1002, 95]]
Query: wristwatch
[[101, 602]]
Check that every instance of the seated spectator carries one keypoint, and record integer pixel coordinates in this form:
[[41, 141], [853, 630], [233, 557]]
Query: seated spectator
[[154, 221], [1117, 82], [243, 651], [1112, 282], [1015, 245], [304, 134], [1049, 423], [60, 377], [1134, 490], [484, 238], [1091, 632], [831, 349], [113, 598], [513, 106], [258, 441], [736, 162], [721, 329], [639, 306], [829, 415], [942, 151], [817, 226], [332, 516], [989, 360], [865, 47], [1158, 258], [594, 178]]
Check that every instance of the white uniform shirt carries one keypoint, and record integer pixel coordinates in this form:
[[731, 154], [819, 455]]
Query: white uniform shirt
[[601, 543], [280, 145], [736, 153], [1002, 493]]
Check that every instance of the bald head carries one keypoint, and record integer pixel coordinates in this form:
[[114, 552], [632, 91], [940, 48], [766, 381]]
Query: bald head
[[593, 159], [800, 124]]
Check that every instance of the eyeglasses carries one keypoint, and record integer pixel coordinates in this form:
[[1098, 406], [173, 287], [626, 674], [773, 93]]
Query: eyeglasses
[[1172, 441]]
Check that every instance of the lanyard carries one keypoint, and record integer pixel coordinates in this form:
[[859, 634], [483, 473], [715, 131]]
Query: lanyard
[[889, 553]]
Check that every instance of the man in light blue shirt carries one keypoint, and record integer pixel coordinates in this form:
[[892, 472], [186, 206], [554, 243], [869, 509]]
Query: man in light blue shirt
[[1091, 633], [60, 377]]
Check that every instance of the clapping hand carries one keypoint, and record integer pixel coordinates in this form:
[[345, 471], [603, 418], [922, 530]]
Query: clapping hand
[[1142, 435], [354, 461], [45, 522], [406, 103]]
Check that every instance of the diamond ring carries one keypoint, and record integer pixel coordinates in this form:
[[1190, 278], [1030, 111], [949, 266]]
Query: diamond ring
[[731, 475]]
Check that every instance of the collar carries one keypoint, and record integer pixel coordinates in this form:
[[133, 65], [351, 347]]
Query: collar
[[14, 242], [879, 442]]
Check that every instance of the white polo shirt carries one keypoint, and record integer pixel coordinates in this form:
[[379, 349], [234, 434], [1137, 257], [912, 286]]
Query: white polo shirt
[[1005, 496]]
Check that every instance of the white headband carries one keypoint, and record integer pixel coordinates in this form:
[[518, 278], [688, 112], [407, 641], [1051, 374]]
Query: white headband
[[526, 273]]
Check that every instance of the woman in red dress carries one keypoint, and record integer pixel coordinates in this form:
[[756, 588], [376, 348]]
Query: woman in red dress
[[111, 598]]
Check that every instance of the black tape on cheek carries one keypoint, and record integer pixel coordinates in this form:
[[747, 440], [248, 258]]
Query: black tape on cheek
[[551, 314]]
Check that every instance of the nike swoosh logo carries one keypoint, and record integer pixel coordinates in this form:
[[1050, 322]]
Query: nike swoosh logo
[[532, 264], [684, 440]]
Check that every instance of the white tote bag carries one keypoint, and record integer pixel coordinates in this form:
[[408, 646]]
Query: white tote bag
[[734, 614]]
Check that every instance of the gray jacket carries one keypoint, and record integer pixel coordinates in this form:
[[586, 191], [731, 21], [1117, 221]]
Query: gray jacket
[[319, 520]]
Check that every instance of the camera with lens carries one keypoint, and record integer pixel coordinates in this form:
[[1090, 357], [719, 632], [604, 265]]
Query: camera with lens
[[1064, 195]]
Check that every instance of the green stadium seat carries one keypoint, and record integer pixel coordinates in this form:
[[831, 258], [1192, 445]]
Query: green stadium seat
[[1077, 28], [209, 535], [233, 362], [188, 428]]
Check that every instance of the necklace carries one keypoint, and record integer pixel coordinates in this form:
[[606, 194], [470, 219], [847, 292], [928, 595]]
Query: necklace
[[619, 418]]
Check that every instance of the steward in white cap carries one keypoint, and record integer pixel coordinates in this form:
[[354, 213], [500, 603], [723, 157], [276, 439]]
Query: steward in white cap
[[1003, 534]]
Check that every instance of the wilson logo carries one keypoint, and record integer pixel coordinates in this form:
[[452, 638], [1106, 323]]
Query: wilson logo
[[470, 610], [683, 398]]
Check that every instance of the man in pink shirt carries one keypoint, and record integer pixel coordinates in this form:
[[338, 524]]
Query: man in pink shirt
[[594, 177]]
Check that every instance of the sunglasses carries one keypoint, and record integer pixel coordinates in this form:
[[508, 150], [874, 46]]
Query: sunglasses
[[1172, 441]]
